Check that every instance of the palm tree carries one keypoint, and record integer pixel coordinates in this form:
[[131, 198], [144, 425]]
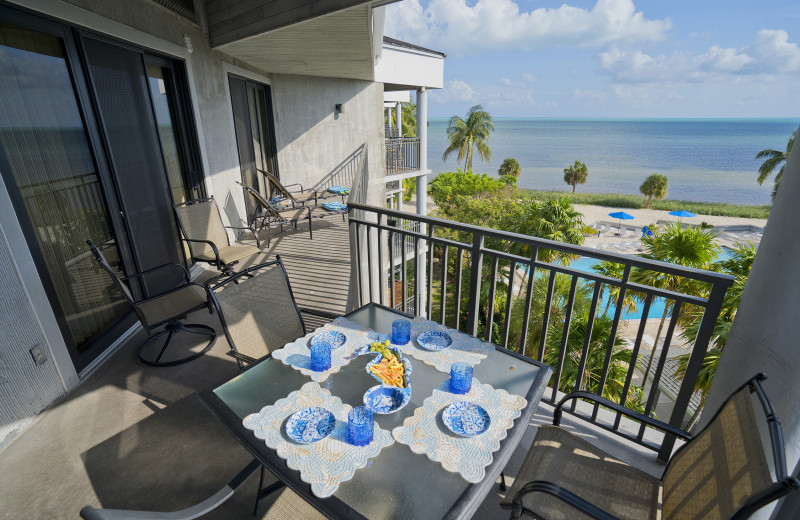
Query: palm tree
[[510, 167], [654, 186], [576, 174], [738, 265], [466, 134], [774, 158], [615, 270], [595, 359], [558, 308], [690, 247]]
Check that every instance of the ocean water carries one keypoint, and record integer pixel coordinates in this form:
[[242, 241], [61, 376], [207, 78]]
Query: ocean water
[[705, 160]]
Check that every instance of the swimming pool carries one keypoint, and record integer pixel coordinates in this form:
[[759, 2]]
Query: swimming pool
[[585, 264]]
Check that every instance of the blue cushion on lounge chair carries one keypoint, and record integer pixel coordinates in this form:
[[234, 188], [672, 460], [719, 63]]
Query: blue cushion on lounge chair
[[339, 190], [334, 206]]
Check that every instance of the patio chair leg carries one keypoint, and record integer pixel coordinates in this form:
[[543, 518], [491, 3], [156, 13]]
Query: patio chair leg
[[503, 482], [260, 485], [170, 329]]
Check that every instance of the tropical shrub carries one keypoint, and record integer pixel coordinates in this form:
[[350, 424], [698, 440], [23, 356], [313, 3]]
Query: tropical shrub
[[510, 167], [451, 186]]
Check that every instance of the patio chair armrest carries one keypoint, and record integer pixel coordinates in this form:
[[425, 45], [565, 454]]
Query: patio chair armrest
[[209, 242], [323, 314], [563, 494], [149, 271], [197, 510], [240, 357], [252, 229], [581, 394], [295, 184]]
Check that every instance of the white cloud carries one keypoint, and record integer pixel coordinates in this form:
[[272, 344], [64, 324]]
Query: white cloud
[[508, 98], [462, 27], [524, 81], [770, 54], [455, 91], [588, 95]]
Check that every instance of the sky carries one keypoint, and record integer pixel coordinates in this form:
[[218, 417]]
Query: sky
[[609, 58]]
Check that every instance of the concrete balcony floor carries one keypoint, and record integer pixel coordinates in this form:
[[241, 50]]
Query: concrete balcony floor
[[137, 437]]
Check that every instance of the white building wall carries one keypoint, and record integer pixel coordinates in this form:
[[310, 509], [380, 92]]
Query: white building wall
[[409, 67]]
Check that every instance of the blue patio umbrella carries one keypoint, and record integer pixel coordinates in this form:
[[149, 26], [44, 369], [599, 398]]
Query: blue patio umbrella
[[682, 213], [621, 215]]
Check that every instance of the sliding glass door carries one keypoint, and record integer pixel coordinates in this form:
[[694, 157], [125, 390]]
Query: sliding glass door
[[255, 137], [120, 86], [96, 143], [46, 156]]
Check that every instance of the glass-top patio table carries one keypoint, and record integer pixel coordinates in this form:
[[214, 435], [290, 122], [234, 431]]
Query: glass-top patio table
[[398, 483]]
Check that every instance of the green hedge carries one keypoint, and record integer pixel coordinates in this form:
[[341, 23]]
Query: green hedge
[[613, 200]]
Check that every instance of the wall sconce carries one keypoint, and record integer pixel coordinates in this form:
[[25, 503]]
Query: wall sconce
[[340, 108]]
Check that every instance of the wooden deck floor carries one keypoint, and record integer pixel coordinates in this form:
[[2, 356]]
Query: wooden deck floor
[[318, 268]]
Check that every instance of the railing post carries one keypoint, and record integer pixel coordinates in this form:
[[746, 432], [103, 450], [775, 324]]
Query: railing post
[[701, 342], [475, 283]]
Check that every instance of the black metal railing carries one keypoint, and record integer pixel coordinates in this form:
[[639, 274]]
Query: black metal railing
[[474, 256], [402, 154]]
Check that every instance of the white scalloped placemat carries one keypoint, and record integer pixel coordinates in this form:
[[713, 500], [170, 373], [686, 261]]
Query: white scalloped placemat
[[425, 433], [465, 348], [298, 356], [326, 463]]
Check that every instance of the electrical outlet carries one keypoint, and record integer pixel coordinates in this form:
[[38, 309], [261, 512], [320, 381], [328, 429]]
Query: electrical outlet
[[37, 352]]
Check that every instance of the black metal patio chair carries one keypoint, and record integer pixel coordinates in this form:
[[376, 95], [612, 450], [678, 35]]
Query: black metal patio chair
[[202, 229], [720, 473], [268, 214], [167, 309], [257, 310], [288, 505]]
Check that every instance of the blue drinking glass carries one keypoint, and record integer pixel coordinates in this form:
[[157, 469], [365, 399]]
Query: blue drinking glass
[[320, 356], [401, 332], [460, 378], [360, 426]]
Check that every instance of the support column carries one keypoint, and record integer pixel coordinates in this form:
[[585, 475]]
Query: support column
[[763, 337], [400, 199], [398, 118], [422, 133], [422, 197]]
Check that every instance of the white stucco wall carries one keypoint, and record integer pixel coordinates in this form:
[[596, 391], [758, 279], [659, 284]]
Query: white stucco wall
[[315, 143]]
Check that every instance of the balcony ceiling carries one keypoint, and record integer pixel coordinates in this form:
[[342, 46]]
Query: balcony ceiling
[[337, 44]]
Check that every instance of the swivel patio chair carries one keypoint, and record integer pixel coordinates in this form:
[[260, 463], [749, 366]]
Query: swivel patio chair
[[257, 310], [202, 229], [166, 309], [287, 506], [268, 214], [720, 473], [281, 191]]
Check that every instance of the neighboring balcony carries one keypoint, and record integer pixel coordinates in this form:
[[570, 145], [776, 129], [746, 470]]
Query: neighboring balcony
[[402, 155]]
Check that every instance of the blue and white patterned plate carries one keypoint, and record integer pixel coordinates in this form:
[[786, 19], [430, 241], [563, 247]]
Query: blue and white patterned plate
[[466, 419], [384, 399], [434, 340], [310, 425], [334, 338]]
